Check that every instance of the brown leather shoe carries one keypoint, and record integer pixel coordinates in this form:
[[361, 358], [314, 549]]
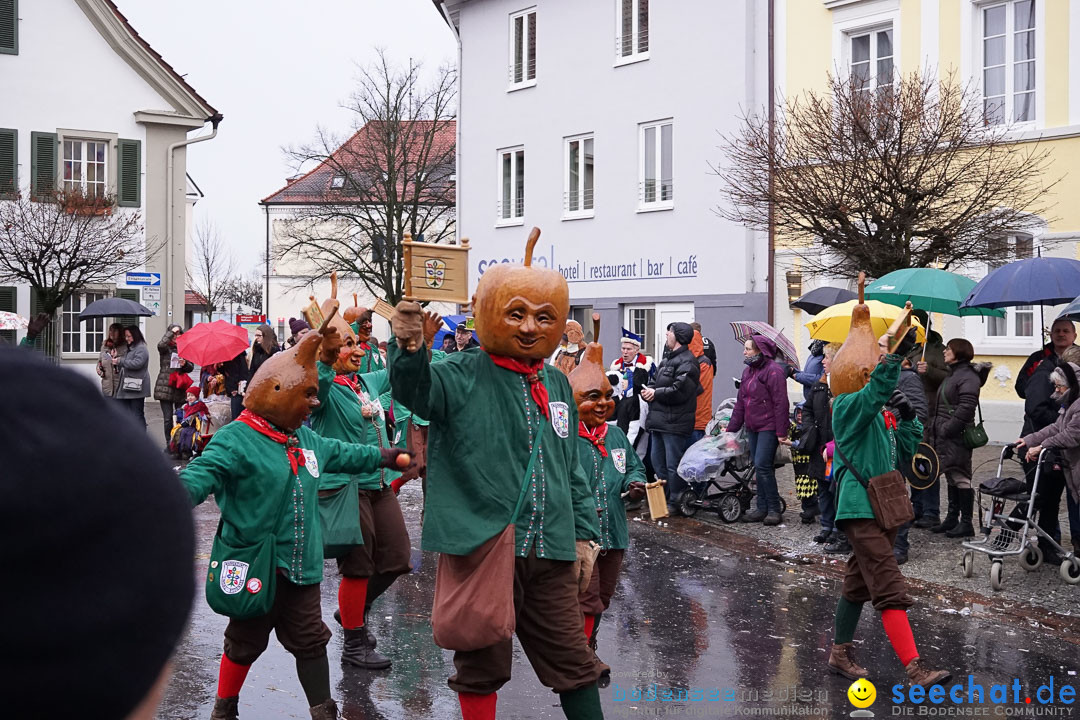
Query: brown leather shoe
[[919, 674], [326, 711], [225, 709], [842, 662]]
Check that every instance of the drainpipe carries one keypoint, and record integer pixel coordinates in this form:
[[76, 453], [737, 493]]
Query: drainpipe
[[772, 170], [170, 249], [266, 308], [457, 123]]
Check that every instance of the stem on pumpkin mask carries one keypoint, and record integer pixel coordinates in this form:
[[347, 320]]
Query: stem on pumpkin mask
[[533, 237]]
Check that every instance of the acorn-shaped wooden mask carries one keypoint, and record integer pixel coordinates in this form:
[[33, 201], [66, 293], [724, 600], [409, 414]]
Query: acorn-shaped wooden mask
[[593, 393], [282, 388], [521, 310], [315, 315], [858, 356], [358, 318]]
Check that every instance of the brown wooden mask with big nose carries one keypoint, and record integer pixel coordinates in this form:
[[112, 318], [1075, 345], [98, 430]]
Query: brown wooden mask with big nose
[[592, 389]]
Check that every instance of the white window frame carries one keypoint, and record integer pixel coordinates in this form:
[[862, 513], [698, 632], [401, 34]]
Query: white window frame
[[875, 56], [526, 81], [658, 203], [111, 141], [971, 58], [858, 19], [636, 55], [1010, 59], [585, 195], [517, 195], [92, 331], [1011, 340], [648, 334]]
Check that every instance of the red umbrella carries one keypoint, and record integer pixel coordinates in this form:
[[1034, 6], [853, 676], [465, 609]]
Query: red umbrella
[[209, 343]]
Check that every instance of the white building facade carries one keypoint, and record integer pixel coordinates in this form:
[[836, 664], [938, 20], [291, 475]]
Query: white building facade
[[123, 129], [597, 122]]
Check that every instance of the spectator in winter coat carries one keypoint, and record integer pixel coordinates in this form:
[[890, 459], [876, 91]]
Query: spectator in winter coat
[[929, 362], [709, 347], [910, 391], [235, 372], [952, 411], [298, 327], [114, 346], [817, 433], [168, 389], [762, 408], [672, 399], [812, 369], [264, 346], [133, 367], [1032, 382], [705, 377]]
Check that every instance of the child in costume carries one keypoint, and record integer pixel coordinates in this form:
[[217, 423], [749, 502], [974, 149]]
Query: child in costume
[[266, 455], [191, 419], [613, 468], [502, 428]]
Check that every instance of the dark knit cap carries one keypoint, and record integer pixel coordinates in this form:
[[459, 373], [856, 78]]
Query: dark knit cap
[[97, 546], [682, 331], [296, 325]]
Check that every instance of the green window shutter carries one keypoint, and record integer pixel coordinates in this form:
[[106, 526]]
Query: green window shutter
[[7, 304], [9, 161], [9, 27], [43, 148], [128, 295], [129, 173], [46, 341]]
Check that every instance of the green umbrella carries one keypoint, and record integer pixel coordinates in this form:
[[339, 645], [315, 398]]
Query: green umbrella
[[927, 289]]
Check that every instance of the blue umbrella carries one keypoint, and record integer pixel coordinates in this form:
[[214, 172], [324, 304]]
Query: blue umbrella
[[1071, 312], [1033, 281]]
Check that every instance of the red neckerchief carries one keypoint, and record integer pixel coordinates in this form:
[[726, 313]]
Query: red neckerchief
[[890, 420], [343, 380], [196, 407], [531, 371], [595, 436], [261, 426]]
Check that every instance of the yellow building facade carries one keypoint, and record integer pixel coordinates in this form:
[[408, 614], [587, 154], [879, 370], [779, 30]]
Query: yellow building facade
[[1023, 57]]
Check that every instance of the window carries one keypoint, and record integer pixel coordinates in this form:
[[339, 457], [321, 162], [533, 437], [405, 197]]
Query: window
[[1019, 321], [84, 167], [1008, 62], [81, 337], [632, 40], [337, 182], [642, 322], [871, 59], [656, 191], [9, 27], [578, 193], [511, 186], [523, 49]]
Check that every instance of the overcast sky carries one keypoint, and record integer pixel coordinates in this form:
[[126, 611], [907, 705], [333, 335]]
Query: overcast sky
[[276, 69]]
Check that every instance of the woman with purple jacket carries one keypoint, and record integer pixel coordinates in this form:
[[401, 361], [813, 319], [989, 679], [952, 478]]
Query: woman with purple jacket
[[762, 408]]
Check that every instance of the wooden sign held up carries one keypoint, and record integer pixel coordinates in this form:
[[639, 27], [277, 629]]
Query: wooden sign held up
[[435, 271]]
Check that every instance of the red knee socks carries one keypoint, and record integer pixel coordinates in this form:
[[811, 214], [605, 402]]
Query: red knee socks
[[231, 678], [396, 485], [590, 623], [898, 629], [477, 707], [352, 594]]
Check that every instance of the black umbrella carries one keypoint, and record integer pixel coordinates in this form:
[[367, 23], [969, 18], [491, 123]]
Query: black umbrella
[[820, 298], [113, 307]]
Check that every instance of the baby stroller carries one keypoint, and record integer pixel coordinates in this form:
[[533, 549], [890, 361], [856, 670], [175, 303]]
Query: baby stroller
[[726, 489], [1016, 532]]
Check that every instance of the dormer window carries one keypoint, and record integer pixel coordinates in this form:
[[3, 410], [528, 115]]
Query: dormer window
[[337, 182]]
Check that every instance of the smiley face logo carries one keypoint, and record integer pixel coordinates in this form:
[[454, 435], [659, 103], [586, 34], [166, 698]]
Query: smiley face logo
[[862, 693]]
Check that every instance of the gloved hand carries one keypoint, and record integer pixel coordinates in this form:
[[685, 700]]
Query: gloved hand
[[587, 551], [900, 402], [432, 322], [407, 324], [636, 491], [331, 345], [394, 458], [790, 371], [908, 343]]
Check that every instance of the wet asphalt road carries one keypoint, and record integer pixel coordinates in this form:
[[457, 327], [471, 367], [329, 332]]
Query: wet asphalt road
[[687, 613]]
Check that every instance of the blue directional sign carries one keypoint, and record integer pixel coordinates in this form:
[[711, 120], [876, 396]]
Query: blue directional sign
[[143, 278]]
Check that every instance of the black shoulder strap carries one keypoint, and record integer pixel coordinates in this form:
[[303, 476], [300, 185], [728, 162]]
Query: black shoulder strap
[[849, 466]]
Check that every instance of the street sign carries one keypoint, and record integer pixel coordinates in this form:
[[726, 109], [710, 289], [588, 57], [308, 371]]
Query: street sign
[[250, 319], [151, 298], [133, 278]]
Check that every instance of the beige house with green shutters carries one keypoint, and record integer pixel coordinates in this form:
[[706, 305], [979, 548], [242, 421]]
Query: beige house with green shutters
[[88, 105]]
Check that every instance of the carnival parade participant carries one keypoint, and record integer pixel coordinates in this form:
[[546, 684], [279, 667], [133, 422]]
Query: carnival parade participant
[[350, 410], [567, 357], [264, 472], [869, 440], [636, 371], [502, 428], [613, 468]]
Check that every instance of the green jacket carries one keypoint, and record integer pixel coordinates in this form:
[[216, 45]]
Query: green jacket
[[247, 473], [483, 420], [860, 433], [609, 478], [339, 416]]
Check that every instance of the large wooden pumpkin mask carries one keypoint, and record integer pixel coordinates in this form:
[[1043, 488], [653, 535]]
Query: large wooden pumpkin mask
[[593, 393], [521, 310]]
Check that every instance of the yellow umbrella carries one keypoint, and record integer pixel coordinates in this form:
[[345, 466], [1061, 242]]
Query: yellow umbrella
[[832, 324]]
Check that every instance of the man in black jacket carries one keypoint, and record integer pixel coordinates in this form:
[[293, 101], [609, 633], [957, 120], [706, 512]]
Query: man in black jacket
[[672, 399]]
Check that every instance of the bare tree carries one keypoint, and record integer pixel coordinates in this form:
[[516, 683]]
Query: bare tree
[[394, 175], [63, 242], [907, 175], [246, 291], [211, 269]]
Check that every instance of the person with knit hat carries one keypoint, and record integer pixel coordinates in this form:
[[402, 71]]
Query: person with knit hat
[[704, 410], [248, 466], [613, 468], [100, 580], [672, 399], [298, 327]]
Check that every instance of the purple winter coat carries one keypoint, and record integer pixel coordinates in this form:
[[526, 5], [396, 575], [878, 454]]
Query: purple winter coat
[[762, 403]]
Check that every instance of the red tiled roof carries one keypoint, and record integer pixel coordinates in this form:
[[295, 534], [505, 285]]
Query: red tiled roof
[[314, 186], [139, 39], [193, 298]]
